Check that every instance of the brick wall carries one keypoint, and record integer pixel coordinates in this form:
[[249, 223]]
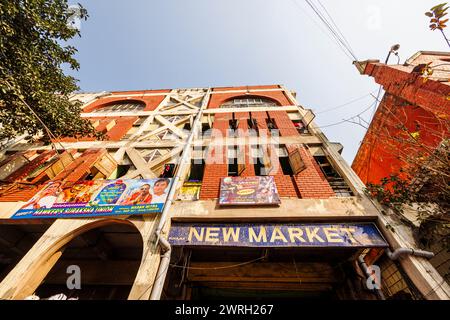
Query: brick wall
[[409, 101], [123, 124], [151, 102], [285, 184], [310, 183], [385, 147], [283, 123], [215, 171], [402, 82], [243, 131], [116, 132], [217, 99]]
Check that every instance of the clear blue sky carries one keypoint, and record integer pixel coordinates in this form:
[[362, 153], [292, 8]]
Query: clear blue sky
[[142, 44]]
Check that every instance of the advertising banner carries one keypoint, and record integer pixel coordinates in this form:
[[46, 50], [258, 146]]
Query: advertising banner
[[97, 198], [359, 235], [190, 191], [248, 191]]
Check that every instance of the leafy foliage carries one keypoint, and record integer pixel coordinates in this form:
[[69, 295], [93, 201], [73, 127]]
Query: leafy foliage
[[437, 21], [426, 187], [31, 56]]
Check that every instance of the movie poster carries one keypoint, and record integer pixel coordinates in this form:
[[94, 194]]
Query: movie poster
[[97, 198], [248, 191]]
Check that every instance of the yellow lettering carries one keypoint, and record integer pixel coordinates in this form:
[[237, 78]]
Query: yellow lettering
[[349, 232], [212, 234], [332, 235], [296, 233], [277, 235], [231, 232], [313, 234], [194, 232], [261, 237]]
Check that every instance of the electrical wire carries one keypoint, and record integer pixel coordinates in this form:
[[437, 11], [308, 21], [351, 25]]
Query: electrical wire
[[46, 129], [343, 43], [349, 119], [377, 102], [184, 267], [321, 28], [335, 25], [344, 104], [219, 268]]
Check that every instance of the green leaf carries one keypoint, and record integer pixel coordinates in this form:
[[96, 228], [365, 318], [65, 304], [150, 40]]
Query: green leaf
[[30, 70]]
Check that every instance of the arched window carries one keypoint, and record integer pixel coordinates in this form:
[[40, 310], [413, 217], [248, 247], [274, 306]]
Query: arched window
[[121, 106], [249, 101]]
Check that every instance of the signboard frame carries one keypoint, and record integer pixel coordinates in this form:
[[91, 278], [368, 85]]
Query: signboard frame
[[248, 191], [290, 235], [97, 198]]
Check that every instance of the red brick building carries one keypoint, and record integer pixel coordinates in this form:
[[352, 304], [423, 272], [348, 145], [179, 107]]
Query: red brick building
[[302, 222], [411, 121], [411, 105]]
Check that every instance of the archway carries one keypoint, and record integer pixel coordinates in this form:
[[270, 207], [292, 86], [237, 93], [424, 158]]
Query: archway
[[249, 101], [106, 259], [120, 106]]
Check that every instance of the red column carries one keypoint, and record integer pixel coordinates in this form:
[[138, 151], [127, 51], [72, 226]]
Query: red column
[[216, 166]]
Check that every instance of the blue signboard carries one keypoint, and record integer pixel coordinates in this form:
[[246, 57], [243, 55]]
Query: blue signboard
[[97, 198], [359, 235]]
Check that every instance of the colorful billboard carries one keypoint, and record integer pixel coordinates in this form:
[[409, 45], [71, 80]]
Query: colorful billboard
[[358, 235], [190, 191], [97, 198], [248, 191]]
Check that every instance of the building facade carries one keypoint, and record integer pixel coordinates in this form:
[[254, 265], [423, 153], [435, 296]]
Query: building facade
[[413, 104], [260, 204], [412, 121]]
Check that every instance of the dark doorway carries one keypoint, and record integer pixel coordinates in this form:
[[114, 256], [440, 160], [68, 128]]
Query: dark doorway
[[15, 241], [108, 259]]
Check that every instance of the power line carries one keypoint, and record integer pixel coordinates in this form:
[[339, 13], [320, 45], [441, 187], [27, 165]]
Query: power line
[[219, 268], [377, 101], [46, 129], [345, 104], [336, 26], [321, 29], [357, 116], [343, 44]]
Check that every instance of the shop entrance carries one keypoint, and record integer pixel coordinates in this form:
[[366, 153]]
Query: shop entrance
[[270, 273]]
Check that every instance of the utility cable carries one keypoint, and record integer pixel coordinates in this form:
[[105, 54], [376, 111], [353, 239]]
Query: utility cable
[[335, 25], [345, 104], [321, 29], [334, 33], [348, 119], [47, 130]]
